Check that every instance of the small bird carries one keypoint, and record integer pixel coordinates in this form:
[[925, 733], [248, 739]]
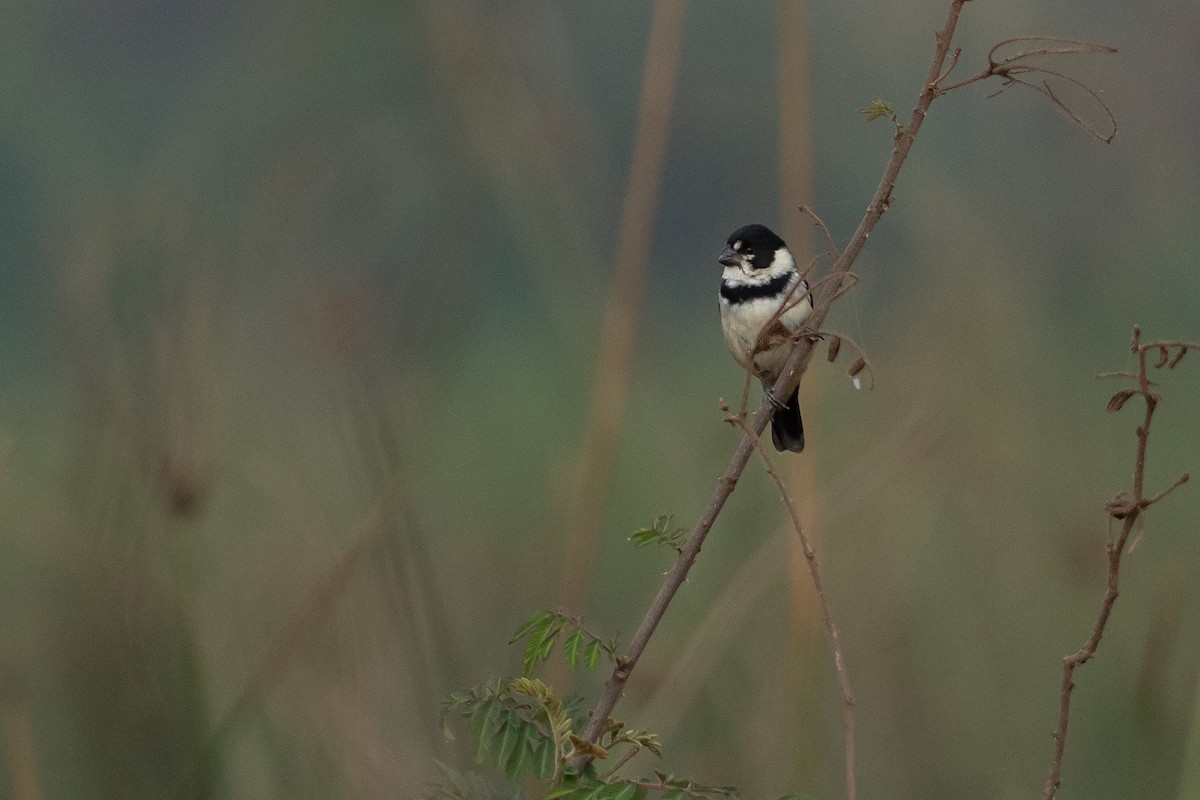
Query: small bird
[[760, 277]]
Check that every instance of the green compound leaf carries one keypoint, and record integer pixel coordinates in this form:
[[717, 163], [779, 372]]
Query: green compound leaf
[[879, 109], [660, 531]]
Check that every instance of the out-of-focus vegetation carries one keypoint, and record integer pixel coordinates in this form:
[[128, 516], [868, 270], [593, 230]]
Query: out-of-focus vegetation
[[300, 307]]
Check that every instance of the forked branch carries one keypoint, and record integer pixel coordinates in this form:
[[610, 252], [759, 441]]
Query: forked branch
[[814, 569], [1126, 508], [789, 378], [1022, 69], [1014, 69]]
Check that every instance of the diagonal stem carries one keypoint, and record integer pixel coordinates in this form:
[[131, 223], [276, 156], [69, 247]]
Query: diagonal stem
[[614, 362], [814, 569], [1130, 514], [789, 378]]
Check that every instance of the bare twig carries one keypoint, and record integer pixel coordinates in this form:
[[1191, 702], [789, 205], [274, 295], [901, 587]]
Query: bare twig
[[1180, 481], [1072, 47], [1044, 89], [820, 223], [625, 759], [1009, 68], [1122, 374], [661, 785], [789, 378], [814, 569], [1127, 508], [950, 67]]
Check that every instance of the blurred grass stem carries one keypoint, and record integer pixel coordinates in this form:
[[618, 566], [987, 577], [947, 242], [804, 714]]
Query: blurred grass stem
[[313, 609], [19, 747], [614, 364], [795, 191]]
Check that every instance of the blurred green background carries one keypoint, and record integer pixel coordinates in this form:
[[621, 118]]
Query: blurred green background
[[302, 306]]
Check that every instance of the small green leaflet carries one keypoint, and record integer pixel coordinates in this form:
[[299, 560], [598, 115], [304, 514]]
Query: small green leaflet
[[879, 109], [571, 647], [660, 532], [591, 655], [542, 631]]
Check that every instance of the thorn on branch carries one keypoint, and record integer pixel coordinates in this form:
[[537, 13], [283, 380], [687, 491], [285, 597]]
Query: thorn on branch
[[1180, 481], [946, 72], [1122, 374]]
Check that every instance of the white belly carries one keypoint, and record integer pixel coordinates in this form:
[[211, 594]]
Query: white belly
[[742, 322]]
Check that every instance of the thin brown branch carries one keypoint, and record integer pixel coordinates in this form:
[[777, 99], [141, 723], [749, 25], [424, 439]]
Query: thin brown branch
[[1120, 374], [625, 759], [845, 282], [1009, 68], [814, 569], [789, 378], [1073, 47], [1180, 481], [983, 75], [708, 641], [812, 264], [1046, 90], [950, 67], [1170, 343], [820, 223], [1127, 507]]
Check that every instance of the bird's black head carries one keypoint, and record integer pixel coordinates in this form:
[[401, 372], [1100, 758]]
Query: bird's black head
[[751, 246]]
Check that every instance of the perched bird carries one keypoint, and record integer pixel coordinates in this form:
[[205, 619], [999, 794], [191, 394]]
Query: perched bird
[[760, 277]]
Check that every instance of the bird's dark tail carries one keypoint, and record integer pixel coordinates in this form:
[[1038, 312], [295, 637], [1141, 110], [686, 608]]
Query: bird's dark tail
[[787, 429]]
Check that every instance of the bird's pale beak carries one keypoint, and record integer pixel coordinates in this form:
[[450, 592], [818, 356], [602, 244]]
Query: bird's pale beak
[[729, 257]]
